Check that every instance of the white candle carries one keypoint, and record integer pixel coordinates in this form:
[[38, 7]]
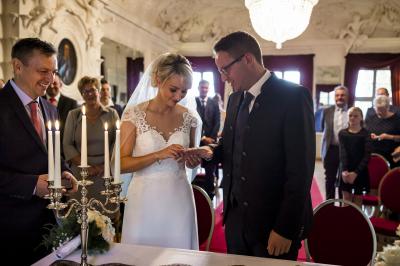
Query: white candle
[[50, 152], [117, 161], [84, 139], [106, 153], [57, 152]]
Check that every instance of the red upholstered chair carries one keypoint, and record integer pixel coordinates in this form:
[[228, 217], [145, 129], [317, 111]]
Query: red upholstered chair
[[341, 234], [389, 198], [378, 166], [205, 215]]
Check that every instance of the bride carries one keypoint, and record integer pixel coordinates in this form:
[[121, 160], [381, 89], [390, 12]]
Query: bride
[[155, 133]]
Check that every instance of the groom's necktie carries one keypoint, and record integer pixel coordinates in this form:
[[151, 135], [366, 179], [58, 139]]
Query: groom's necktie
[[243, 115], [34, 107]]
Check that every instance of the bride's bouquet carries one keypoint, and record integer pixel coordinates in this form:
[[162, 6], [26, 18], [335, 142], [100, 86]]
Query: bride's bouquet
[[390, 254], [64, 238]]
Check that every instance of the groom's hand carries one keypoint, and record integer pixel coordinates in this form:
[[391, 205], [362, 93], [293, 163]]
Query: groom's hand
[[277, 244]]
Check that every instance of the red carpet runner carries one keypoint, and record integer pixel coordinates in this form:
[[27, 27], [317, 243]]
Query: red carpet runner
[[218, 239]]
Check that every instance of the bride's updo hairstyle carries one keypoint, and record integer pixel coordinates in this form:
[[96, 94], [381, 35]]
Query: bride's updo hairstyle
[[169, 64]]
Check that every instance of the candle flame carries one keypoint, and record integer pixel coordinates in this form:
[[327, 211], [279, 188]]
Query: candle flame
[[105, 126], [83, 110], [57, 125], [117, 124], [49, 125]]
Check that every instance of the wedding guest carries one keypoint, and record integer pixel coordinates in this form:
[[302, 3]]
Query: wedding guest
[[208, 110], [355, 151], [23, 152], [220, 102], [384, 127], [105, 97], [392, 108], [63, 103], [334, 119], [96, 115], [268, 156]]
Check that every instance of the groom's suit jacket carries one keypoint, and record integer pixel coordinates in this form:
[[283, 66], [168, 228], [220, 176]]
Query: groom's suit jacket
[[277, 160], [23, 157]]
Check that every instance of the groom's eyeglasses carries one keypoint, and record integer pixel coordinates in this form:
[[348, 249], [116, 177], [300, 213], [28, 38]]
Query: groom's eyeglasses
[[224, 70]]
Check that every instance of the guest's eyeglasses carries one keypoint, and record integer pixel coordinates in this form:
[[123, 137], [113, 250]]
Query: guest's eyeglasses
[[224, 70], [89, 91]]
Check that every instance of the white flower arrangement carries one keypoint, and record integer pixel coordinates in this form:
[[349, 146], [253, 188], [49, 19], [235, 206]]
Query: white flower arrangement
[[390, 254], [66, 235], [104, 223]]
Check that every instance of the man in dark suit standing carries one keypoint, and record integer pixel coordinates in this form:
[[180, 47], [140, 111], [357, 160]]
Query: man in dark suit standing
[[208, 110], [334, 119], [105, 97], [63, 103], [268, 152], [23, 152]]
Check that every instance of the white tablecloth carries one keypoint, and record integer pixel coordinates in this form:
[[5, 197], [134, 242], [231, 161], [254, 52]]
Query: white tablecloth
[[156, 256]]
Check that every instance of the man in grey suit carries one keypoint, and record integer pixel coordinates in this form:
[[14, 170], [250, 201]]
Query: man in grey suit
[[334, 119]]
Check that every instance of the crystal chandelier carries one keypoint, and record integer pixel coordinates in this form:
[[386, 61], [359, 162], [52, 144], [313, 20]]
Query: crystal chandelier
[[280, 20]]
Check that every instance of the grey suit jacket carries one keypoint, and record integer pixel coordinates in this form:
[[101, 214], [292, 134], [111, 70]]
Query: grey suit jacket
[[327, 127]]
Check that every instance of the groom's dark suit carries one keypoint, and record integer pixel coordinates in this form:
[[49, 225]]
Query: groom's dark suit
[[273, 179], [23, 157]]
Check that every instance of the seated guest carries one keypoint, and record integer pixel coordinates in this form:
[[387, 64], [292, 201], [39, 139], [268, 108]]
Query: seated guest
[[384, 127], [23, 153], [392, 108], [354, 150], [63, 103], [105, 97], [96, 116]]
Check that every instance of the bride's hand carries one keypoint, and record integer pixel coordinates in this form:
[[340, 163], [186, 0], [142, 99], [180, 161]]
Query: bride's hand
[[203, 152], [172, 151]]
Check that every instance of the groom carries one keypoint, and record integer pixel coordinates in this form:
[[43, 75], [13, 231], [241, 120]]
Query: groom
[[268, 154]]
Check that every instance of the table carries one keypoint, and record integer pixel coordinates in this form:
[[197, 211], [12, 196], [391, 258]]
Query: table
[[156, 256]]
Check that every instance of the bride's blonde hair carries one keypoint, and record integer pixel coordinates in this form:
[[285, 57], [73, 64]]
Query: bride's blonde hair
[[169, 64]]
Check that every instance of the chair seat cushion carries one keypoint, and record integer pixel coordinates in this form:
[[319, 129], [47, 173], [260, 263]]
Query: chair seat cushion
[[371, 200], [384, 226]]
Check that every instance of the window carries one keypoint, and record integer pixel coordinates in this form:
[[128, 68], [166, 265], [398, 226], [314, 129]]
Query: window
[[197, 76], [293, 76], [327, 98], [368, 81]]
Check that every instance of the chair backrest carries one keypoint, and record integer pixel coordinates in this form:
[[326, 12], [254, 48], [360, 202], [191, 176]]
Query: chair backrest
[[378, 166], [341, 234], [205, 215], [389, 190]]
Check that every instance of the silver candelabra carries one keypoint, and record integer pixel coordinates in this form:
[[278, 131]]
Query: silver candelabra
[[112, 192]]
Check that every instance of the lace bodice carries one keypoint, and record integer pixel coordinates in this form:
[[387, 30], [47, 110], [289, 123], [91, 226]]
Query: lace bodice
[[149, 139]]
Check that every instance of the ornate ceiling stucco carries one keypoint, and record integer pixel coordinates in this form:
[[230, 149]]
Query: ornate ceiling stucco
[[193, 21]]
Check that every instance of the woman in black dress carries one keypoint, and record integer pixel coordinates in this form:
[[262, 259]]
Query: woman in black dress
[[355, 150]]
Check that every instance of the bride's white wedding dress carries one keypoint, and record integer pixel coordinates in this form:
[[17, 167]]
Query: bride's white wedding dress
[[160, 210]]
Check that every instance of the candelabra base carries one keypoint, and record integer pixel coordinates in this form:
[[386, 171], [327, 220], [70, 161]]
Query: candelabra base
[[73, 263]]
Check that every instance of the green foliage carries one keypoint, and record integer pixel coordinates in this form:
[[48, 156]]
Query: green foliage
[[68, 229]]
